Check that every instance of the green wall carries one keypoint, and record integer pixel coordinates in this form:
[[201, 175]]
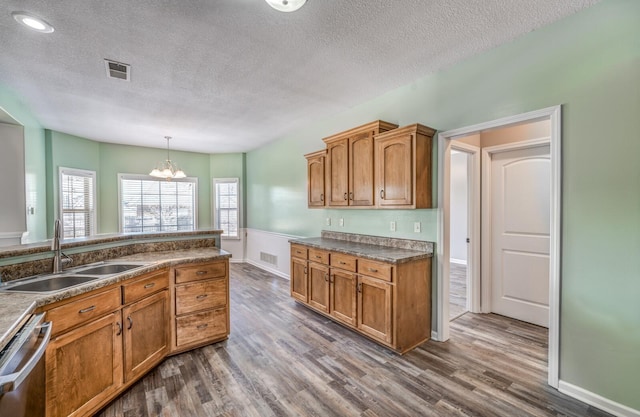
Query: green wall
[[589, 63], [35, 172]]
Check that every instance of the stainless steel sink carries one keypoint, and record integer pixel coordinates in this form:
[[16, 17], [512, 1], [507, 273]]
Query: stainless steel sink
[[49, 284], [109, 269]]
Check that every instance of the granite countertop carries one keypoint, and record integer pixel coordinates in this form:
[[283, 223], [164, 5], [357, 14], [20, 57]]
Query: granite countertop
[[15, 307], [381, 253]]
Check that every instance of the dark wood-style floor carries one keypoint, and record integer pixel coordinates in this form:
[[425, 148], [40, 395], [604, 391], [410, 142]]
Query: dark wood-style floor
[[284, 360], [457, 290]]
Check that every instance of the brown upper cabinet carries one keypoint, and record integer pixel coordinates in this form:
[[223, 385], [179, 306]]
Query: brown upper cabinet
[[403, 167], [349, 165], [315, 177]]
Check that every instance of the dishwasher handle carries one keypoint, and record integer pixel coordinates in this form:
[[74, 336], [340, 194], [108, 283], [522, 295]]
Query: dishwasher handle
[[12, 381]]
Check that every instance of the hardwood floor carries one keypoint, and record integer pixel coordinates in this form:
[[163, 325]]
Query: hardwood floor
[[284, 360], [457, 290]]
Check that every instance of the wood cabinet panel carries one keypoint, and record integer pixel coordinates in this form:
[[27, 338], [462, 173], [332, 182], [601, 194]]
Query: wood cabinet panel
[[375, 269], [199, 296], [403, 167], [361, 181], [204, 327], [342, 303], [318, 277], [146, 285], [298, 251], [299, 285], [319, 256], [82, 309], [374, 308], [316, 178], [342, 261], [84, 367], [200, 272], [337, 169], [146, 334]]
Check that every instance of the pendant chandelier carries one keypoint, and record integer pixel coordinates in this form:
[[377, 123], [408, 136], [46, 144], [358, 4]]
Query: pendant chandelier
[[286, 5], [167, 169]]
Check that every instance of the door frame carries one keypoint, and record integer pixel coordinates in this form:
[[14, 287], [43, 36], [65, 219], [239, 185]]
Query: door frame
[[486, 228], [473, 225], [445, 140]]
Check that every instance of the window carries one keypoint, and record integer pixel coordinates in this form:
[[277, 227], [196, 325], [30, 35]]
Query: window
[[149, 204], [226, 206], [77, 202]]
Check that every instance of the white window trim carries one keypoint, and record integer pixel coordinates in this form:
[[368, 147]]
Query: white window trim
[[83, 173], [122, 176], [213, 205]]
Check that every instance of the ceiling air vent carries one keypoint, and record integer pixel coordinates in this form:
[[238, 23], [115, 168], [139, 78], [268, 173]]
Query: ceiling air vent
[[118, 70]]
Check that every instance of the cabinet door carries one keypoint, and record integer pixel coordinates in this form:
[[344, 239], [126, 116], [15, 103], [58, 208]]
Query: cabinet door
[[146, 336], [374, 308], [316, 177], [338, 173], [84, 367], [319, 286], [343, 296], [299, 279], [361, 187], [394, 159]]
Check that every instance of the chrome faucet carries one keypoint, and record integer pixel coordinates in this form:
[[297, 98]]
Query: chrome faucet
[[59, 258]]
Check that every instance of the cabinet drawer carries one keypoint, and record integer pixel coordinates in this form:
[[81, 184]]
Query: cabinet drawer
[[201, 272], [84, 309], [200, 327], [343, 261], [298, 251], [201, 296], [374, 269], [156, 281], [319, 256]]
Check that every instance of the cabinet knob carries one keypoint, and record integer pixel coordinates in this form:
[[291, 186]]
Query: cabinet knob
[[201, 297], [119, 328], [351, 195], [130, 320], [373, 270], [382, 194], [345, 196], [150, 285], [322, 197], [326, 277], [360, 287]]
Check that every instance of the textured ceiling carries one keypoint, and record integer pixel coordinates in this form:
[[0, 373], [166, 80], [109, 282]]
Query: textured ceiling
[[232, 75]]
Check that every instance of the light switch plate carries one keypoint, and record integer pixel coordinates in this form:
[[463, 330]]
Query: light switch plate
[[341, 222], [416, 227], [328, 221], [392, 226]]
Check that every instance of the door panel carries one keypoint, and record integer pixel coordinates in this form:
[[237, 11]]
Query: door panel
[[361, 175], [520, 224], [343, 296], [319, 286], [374, 308], [337, 173], [299, 279]]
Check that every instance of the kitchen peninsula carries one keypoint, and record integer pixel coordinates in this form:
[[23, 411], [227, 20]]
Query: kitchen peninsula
[[175, 299]]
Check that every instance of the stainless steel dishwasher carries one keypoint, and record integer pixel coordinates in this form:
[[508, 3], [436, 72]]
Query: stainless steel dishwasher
[[22, 383]]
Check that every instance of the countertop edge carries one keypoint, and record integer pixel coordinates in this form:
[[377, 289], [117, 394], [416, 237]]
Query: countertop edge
[[326, 244]]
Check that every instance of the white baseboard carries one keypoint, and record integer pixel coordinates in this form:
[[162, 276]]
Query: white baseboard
[[596, 400], [434, 335], [457, 261], [268, 269], [237, 261]]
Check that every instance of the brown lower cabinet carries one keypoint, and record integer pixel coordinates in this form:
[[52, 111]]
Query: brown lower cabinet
[[105, 340], [389, 303]]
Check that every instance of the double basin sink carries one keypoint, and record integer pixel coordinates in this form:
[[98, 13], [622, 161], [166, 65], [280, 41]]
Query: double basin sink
[[46, 284]]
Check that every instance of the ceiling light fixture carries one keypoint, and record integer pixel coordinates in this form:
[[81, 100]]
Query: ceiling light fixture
[[32, 22], [286, 5], [167, 169]]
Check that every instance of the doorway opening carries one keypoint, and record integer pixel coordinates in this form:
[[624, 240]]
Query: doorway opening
[[479, 262]]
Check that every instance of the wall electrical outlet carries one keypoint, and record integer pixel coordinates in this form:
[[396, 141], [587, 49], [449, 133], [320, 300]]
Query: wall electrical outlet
[[416, 227], [341, 222], [392, 226], [328, 221]]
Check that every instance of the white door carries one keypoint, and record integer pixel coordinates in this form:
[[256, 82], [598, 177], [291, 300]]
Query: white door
[[520, 226]]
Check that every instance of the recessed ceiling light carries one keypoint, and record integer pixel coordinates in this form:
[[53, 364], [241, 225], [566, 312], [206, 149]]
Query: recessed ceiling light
[[32, 22], [286, 5]]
